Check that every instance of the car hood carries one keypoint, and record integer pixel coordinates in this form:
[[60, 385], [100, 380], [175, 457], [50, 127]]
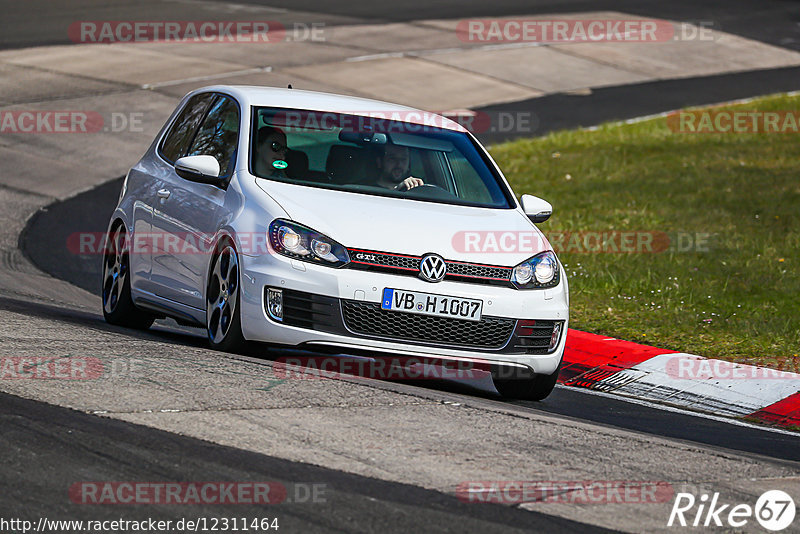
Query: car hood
[[362, 221]]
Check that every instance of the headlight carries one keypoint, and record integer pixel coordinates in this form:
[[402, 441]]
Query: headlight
[[541, 271], [523, 273], [291, 240], [545, 269], [298, 242]]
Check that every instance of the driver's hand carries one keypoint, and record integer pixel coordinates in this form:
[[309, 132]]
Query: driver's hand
[[409, 183]]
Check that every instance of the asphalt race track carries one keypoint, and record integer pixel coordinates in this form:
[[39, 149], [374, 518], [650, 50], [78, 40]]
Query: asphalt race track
[[74, 440], [773, 22], [388, 454]]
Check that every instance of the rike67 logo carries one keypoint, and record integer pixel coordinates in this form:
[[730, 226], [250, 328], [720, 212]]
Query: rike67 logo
[[774, 510]]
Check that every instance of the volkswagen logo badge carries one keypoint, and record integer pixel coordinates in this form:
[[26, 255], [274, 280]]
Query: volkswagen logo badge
[[432, 268]]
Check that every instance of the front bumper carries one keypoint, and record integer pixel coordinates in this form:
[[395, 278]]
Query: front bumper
[[340, 291]]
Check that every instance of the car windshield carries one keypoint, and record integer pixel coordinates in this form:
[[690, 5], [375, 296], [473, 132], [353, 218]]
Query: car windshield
[[376, 155]]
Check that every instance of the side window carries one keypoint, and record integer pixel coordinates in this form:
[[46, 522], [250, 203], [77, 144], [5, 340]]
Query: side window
[[219, 134], [176, 142]]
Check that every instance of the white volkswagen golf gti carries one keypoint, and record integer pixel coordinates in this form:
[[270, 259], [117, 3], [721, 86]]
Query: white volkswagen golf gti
[[328, 222]]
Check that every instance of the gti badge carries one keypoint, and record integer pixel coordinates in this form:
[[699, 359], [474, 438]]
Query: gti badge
[[432, 268]]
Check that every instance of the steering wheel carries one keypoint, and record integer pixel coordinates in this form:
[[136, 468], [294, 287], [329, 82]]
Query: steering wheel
[[402, 187]]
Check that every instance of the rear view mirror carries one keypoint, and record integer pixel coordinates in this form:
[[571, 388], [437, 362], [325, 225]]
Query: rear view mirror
[[537, 209], [362, 138], [201, 169]]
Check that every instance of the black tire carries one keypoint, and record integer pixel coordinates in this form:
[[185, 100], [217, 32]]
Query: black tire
[[534, 388], [223, 300], [115, 291]]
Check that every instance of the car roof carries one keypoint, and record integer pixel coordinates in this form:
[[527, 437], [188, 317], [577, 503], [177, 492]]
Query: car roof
[[252, 95]]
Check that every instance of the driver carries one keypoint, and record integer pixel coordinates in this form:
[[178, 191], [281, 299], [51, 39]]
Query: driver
[[394, 168]]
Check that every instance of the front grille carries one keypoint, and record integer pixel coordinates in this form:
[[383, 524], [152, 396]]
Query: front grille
[[370, 258], [401, 264], [367, 318], [473, 270]]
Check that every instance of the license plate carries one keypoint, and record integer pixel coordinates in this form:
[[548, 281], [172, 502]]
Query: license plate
[[428, 304]]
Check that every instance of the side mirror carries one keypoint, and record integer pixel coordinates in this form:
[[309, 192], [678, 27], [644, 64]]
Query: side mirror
[[201, 169], [535, 208]]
